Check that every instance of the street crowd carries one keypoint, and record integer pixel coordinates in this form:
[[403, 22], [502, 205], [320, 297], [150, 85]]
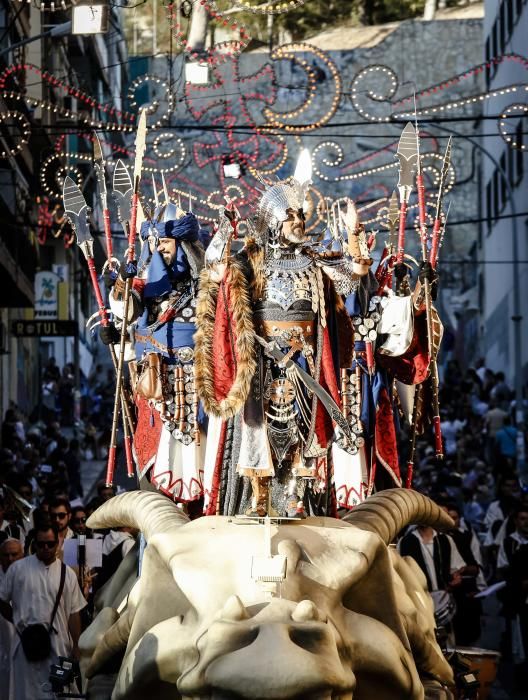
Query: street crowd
[[42, 506], [45, 603]]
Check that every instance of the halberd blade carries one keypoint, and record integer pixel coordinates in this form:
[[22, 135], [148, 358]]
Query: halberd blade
[[122, 186], [76, 209], [122, 181], [407, 155]]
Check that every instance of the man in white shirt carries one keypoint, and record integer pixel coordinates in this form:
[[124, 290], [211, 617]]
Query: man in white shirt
[[27, 597], [450, 430], [60, 514], [441, 571]]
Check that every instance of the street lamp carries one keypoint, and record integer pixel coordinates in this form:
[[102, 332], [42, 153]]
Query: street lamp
[[90, 18]]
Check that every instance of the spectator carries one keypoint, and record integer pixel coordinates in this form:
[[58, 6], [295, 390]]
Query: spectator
[[501, 392], [78, 520], [506, 443], [3, 522], [493, 421], [48, 402], [66, 395], [60, 514], [10, 551], [105, 492], [116, 546], [438, 557], [27, 597], [512, 564], [450, 429], [466, 622], [72, 460], [51, 371], [13, 433], [499, 510]]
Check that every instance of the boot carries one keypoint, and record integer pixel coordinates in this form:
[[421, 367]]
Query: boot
[[259, 500]]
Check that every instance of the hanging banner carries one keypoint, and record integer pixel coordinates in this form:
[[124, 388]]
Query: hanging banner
[[46, 294]]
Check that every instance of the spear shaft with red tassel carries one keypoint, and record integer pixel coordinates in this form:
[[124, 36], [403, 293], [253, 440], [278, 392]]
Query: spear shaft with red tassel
[[128, 425], [130, 272]]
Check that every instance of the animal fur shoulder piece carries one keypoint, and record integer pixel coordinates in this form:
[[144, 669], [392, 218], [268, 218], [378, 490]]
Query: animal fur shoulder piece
[[240, 313]]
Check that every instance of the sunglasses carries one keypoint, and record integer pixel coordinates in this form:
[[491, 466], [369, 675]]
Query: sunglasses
[[79, 520], [45, 544], [60, 516]]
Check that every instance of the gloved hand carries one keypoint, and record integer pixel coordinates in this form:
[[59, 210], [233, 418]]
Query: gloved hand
[[109, 334], [427, 272], [109, 278], [400, 270], [128, 270]]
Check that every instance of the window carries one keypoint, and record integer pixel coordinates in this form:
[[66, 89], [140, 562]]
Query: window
[[494, 46], [490, 213], [496, 195], [518, 8], [519, 155], [509, 17], [503, 189], [488, 56], [510, 157], [502, 27]]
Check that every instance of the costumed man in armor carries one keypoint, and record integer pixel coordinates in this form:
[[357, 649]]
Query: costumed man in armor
[[273, 335], [389, 359], [168, 441]]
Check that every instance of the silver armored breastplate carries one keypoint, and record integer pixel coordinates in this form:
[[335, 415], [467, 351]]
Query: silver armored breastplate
[[292, 279]]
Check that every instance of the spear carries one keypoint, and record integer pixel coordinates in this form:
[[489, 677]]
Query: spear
[[407, 155], [76, 210], [101, 181], [99, 166], [435, 240], [130, 265]]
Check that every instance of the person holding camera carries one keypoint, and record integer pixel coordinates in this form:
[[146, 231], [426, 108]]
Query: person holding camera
[[41, 596]]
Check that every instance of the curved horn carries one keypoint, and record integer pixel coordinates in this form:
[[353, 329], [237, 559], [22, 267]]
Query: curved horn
[[389, 511], [149, 512]]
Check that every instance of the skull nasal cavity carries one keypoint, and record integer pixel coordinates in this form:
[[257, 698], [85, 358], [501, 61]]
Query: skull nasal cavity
[[308, 638]]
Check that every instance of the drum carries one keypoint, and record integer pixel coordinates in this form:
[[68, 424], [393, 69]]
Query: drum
[[486, 662]]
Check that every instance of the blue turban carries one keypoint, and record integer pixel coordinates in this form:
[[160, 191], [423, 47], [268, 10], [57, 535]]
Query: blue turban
[[184, 229]]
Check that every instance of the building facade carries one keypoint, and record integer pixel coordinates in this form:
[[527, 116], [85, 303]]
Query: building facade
[[34, 236], [503, 243]]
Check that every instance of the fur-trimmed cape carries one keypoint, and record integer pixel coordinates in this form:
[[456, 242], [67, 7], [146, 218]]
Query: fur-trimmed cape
[[225, 345]]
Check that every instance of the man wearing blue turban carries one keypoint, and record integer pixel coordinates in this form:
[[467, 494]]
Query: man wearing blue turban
[[168, 441]]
